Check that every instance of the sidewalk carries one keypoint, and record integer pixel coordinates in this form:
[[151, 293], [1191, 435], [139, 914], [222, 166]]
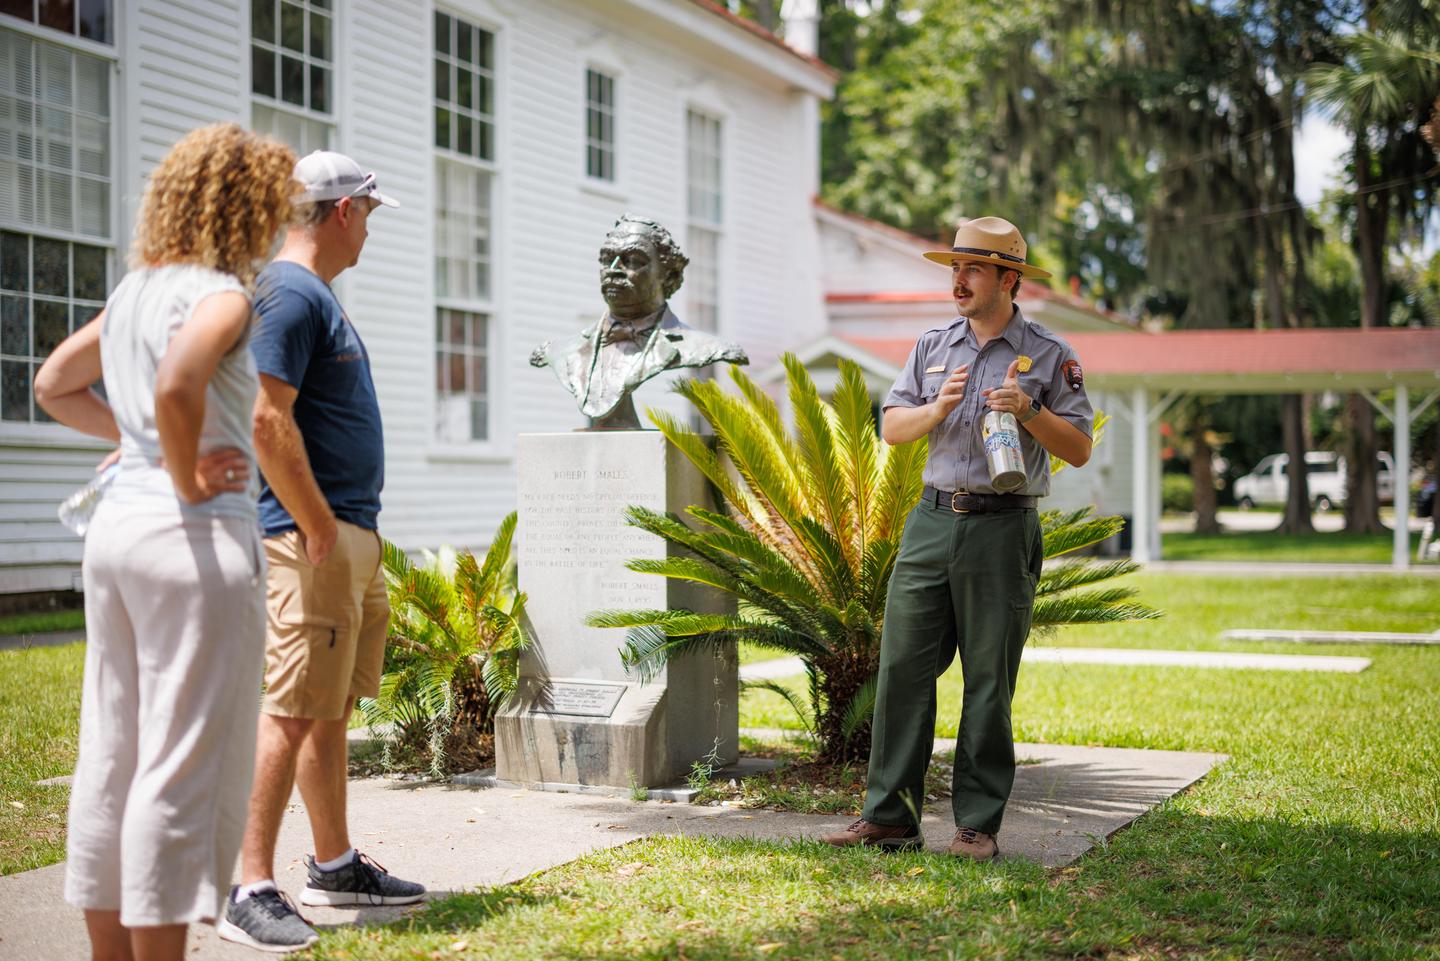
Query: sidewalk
[[460, 838]]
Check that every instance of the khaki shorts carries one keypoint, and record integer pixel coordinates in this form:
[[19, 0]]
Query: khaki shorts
[[325, 637]]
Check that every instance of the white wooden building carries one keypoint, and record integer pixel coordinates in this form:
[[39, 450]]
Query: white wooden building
[[513, 132]]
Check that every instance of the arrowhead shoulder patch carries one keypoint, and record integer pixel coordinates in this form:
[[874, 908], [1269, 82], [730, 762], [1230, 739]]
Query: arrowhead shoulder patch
[[1074, 376]]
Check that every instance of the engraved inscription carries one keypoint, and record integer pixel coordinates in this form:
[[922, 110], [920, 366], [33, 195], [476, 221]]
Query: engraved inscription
[[576, 529], [585, 700]]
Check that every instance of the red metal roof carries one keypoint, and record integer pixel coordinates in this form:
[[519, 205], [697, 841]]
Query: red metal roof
[[1192, 353], [750, 26]]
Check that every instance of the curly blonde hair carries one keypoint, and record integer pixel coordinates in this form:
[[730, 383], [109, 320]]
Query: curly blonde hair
[[217, 199]]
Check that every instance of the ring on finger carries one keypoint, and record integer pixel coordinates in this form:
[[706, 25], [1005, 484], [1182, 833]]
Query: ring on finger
[[229, 475]]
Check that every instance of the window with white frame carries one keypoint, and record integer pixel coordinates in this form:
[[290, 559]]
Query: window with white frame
[[292, 71], [56, 178], [465, 174], [599, 125], [704, 211], [90, 19]]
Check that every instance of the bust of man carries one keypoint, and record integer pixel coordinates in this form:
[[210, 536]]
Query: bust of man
[[641, 268]]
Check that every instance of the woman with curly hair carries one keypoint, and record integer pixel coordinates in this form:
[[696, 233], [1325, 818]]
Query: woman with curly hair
[[174, 568]]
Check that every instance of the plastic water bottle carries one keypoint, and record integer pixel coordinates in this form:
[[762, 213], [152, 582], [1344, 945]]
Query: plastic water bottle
[[79, 507], [1002, 451]]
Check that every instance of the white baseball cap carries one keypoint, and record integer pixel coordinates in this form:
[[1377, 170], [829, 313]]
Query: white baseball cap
[[327, 175]]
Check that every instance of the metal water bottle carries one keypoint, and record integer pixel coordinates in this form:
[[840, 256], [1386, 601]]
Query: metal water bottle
[[1002, 451]]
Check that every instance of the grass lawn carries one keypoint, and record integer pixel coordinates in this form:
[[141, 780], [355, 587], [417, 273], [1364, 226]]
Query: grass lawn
[[39, 724], [1318, 838], [42, 622], [1335, 547]]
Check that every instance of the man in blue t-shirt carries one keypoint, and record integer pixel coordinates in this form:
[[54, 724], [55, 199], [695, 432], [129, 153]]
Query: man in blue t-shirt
[[319, 442]]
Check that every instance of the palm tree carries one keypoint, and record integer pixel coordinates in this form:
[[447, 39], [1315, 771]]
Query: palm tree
[[809, 542], [1382, 89], [453, 655]]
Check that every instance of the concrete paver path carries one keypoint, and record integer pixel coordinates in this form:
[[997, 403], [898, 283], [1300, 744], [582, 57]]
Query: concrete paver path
[[457, 838]]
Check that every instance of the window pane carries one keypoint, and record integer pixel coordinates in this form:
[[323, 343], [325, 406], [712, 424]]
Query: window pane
[[52, 267], [486, 89], [292, 27], [465, 89], [94, 218], [14, 326], [89, 272], [485, 54], [92, 146], [59, 14], [92, 85], [456, 363], [464, 42], [14, 261], [262, 20], [465, 136], [15, 390], [442, 127], [95, 20], [24, 9], [262, 71], [486, 139], [292, 81], [477, 419], [319, 36], [52, 325], [442, 33], [81, 314], [442, 80], [319, 88]]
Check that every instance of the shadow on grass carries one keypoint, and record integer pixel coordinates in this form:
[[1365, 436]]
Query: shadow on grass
[[1177, 885]]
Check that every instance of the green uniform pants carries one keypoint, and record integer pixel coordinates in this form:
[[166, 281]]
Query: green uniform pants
[[963, 582]]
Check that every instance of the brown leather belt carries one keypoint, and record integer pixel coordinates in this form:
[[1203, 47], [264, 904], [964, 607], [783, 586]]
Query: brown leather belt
[[963, 502]]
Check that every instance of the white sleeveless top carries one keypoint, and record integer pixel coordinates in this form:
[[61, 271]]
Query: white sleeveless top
[[146, 310]]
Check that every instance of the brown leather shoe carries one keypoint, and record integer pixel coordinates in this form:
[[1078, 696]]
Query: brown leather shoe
[[888, 837], [973, 844]]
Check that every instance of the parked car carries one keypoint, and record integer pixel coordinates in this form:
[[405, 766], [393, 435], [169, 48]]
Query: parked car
[[1325, 474]]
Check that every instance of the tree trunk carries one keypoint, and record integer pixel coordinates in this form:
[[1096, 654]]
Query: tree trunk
[[1362, 494], [841, 679], [1203, 478], [1297, 503]]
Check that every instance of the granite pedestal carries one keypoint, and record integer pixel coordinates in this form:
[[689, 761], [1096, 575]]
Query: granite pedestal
[[578, 717]]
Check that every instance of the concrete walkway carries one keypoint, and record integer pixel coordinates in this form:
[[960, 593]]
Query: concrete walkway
[[784, 667], [457, 838]]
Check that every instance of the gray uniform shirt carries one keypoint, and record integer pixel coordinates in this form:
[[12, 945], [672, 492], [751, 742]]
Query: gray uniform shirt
[[957, 450]]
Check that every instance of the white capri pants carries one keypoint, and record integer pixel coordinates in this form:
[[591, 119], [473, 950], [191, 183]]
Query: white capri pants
[[175, 625]]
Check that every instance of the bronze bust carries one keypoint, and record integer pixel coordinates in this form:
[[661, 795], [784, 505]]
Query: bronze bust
[[641, 268]]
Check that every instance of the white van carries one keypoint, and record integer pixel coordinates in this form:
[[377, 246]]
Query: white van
[[1325, 471]]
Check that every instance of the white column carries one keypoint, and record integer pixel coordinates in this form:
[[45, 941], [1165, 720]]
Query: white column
[[1400, 560], [1140, 476]]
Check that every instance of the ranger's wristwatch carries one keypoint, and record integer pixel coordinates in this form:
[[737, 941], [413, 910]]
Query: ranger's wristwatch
[[1035, 408]]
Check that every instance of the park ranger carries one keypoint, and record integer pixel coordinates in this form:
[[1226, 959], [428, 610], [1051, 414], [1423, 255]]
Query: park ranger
[[970, 557]]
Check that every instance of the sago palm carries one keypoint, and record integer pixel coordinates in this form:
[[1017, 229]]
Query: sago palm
[[810, 540], [455, 639]]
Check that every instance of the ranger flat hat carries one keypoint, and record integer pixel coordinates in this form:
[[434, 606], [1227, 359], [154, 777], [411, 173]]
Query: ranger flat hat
[[988, 240]]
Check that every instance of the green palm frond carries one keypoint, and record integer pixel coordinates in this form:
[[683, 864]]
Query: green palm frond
[[1078, 573], [805, 712], [858, 447], [1087, 608], [1064, 533], [901, 483], [861, 708]]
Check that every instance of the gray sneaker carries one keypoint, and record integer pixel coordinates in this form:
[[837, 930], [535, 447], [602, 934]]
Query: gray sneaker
[[267, 921], [362, 881]]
